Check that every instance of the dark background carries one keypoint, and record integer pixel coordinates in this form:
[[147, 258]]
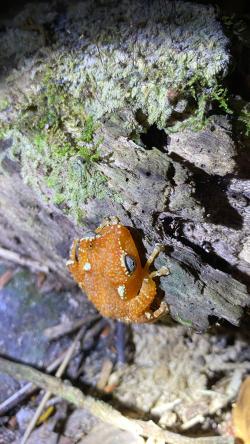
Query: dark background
[[226, 6]]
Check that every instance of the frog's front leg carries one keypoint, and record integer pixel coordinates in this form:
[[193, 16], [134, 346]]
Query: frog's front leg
[[163, 271], [156, 251]]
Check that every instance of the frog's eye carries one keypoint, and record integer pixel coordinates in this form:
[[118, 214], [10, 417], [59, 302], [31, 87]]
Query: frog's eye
[[77, 252], [129, 263]]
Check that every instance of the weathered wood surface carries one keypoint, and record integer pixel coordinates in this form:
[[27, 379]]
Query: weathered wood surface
[[202, 219]]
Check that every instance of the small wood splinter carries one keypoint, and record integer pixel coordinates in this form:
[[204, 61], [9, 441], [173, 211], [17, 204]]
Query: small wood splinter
[[108, 268]]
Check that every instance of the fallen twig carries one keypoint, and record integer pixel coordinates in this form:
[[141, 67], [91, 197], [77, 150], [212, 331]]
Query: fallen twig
[[228, 366], [29, 388], [105, 374], [100, 409], [16, 397], [12, 256], [218, 400], [48, 394], [65, 328]]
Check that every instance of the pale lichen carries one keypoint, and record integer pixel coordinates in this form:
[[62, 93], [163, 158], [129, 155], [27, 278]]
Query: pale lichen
[[140, 54]]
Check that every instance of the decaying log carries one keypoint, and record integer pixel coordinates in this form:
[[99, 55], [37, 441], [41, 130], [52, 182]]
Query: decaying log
[[201, 284]]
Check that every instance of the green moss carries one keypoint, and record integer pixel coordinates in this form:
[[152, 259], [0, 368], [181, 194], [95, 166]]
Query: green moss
[[4, 103], [137, 59], [2, 134], [115, 91], [204, 93], [56, 141], [235, 25], [184, 322], [219, 94], [244, 118]]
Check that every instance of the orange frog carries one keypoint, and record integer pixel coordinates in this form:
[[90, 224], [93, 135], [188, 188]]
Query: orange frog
[[107, 267]]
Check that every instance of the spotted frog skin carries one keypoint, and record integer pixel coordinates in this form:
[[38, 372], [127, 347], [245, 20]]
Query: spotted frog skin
[[108, 268]]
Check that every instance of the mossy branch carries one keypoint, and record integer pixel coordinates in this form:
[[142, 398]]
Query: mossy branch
[[99, 408]]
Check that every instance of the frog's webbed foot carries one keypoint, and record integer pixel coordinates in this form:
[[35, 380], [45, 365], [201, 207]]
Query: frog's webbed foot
[[163, 271], [153, 316]]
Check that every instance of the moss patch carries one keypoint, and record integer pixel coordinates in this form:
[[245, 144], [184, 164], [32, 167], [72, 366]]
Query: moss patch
[[244, 119], [56, 143], [171, 69]]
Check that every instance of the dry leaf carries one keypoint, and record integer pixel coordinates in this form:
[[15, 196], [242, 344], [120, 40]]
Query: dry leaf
[[241, 413], [5, 278]]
